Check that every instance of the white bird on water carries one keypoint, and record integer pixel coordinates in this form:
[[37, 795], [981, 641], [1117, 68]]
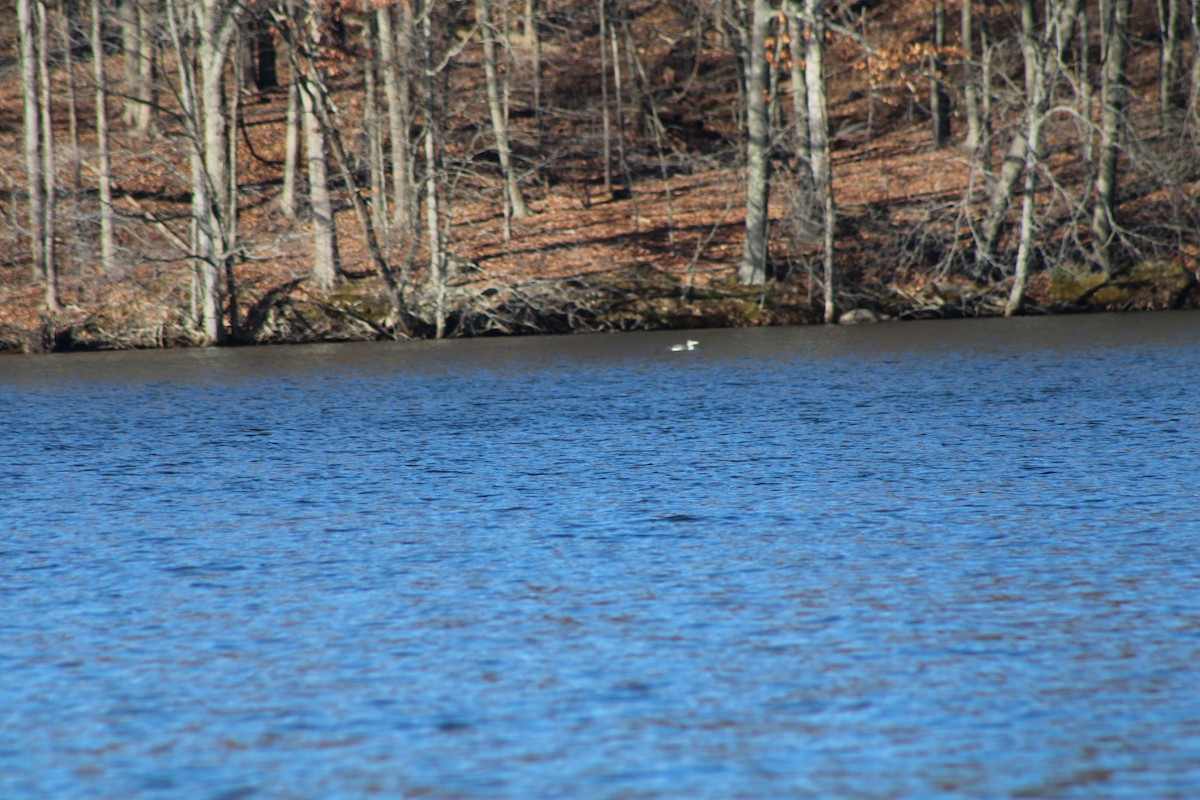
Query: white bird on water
[[690, 344]]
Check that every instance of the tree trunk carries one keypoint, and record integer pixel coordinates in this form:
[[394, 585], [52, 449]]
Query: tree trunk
[[261, 59], [1016, 295], [233, 188], [49, 159], [210, 27], [316, 98], [939, 93], [325, 266], [605, 112], [373, 126], [515, 198], [970, 78], [1035, 85], [104, 176], [655, 123], [818, 121], [1194, 102], [1040, 70], [147, 115], [1170, 87], [1057, 29], [986, 63], [218, 23], [1003, 190], [1114, 99], [753, 268], [31, 95], [396, 92], [182, 28], [216, 36], [619, 104], [291, 149], [534, 40], [67, 36], [324, 245], [799, 96], [138, 48], [437, 261], [127, 16]]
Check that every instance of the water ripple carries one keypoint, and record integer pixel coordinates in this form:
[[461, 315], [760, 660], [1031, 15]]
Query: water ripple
[[952, 560]]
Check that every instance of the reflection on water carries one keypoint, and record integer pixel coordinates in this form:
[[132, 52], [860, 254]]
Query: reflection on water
[[918, 560]]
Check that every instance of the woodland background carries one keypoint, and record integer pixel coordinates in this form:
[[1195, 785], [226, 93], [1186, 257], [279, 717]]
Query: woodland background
[[237, 171]]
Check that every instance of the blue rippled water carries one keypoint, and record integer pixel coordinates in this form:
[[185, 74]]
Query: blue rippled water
[[956, 559]]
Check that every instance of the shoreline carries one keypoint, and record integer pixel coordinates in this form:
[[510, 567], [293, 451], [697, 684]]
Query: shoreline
[[636, 299]]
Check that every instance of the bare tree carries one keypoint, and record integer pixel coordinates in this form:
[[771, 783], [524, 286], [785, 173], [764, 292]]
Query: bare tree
[[433, 219], [306, 24], [68, 41], [291, 148], [1170, 86], [40, 166], [515, 207], [939, 91], [395, 62], [605, 111], [210, 26], [818, 126], [372, 122], [1194, 102], [1114, 99], [1043, 56], [104, 176], [137, 44], [799, 96], [753, 267], [970, 77], [317, 100], [533, 40]]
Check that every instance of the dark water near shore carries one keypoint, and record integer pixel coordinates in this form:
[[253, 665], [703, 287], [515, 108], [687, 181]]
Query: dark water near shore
[[952, 559]]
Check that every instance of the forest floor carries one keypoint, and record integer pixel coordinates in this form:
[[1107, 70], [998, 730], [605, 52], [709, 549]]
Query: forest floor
[[663, 256]]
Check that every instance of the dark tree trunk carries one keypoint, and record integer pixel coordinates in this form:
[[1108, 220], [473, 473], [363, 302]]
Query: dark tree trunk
[[939, 92]]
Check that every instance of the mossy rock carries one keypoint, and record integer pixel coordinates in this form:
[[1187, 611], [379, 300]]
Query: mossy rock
[[1073, 284], [361, 302], [1148, 285]]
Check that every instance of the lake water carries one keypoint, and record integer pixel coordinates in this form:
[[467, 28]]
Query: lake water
[[936, 559]]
